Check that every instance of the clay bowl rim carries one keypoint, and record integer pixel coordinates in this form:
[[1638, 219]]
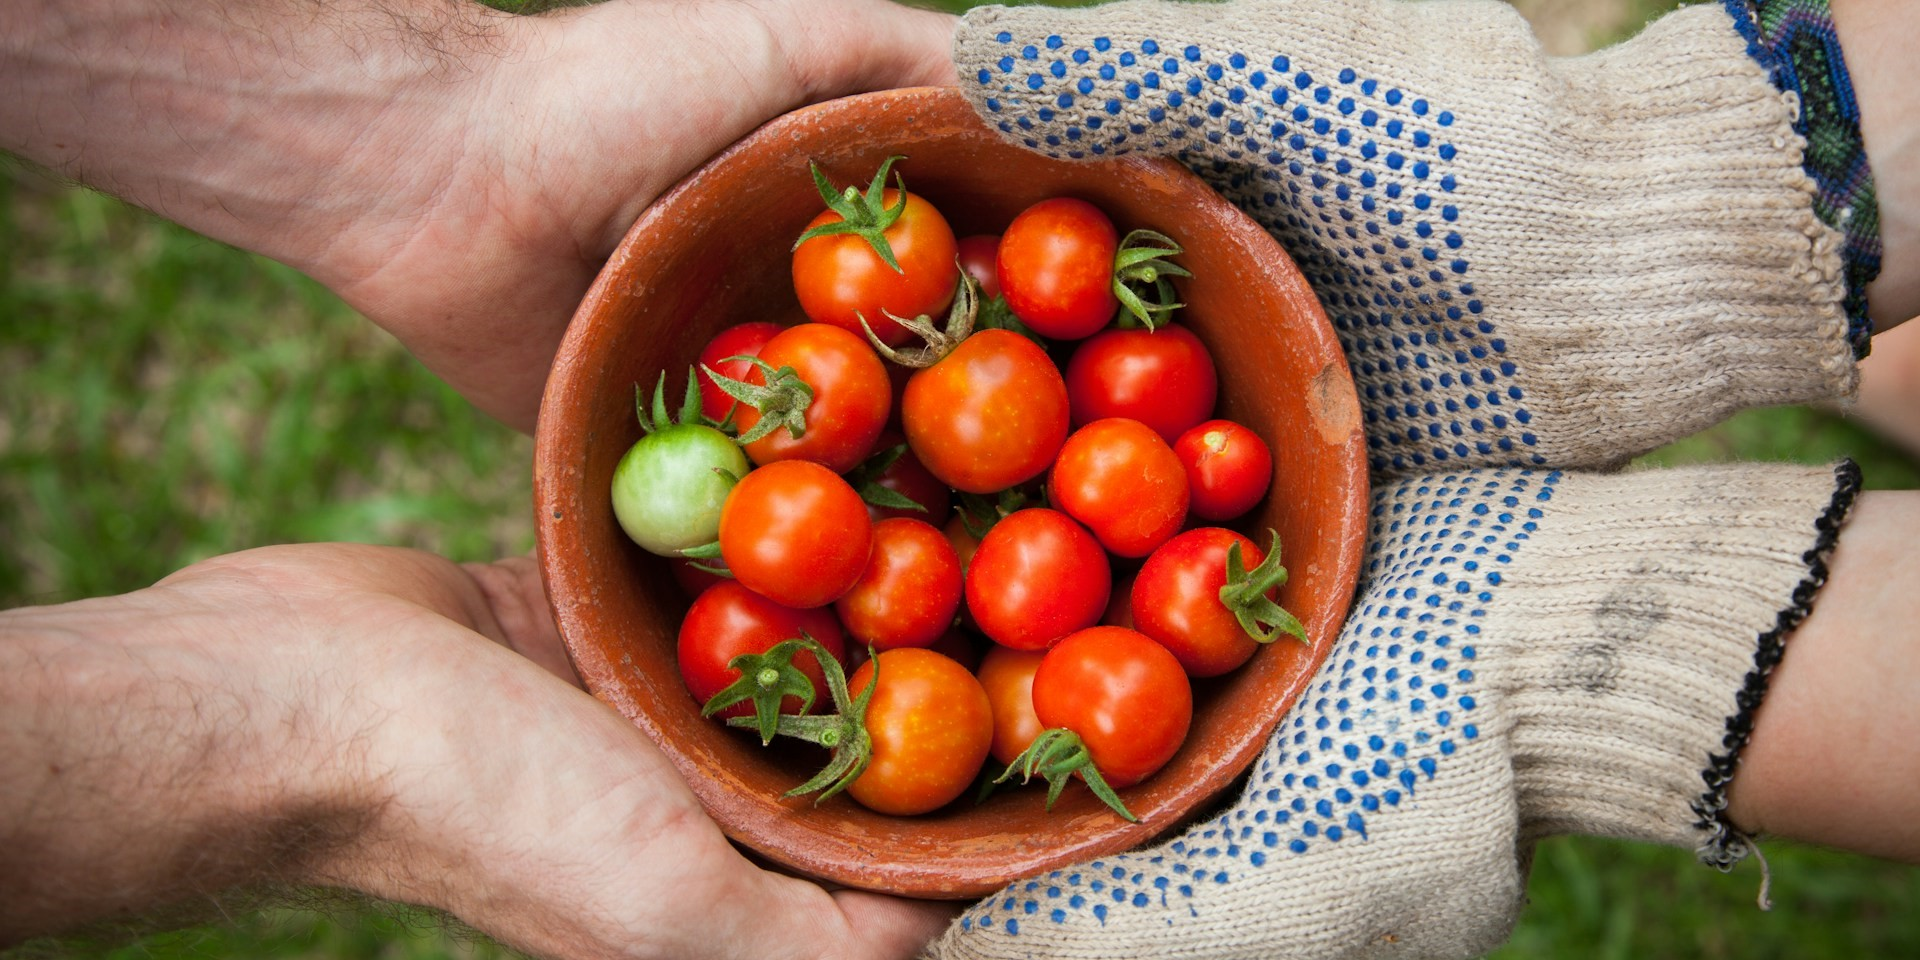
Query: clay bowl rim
[[832, 842]]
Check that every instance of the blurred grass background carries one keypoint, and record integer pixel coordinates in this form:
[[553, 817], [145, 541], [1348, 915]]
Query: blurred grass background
[[165, 398]]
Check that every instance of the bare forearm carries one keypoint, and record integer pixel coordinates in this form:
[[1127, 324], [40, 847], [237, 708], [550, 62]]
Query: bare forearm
[[143, 762], [1833, 758], [1879, 37], [237, 119]]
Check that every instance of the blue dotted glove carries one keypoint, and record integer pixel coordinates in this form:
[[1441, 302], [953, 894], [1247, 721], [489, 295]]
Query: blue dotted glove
[[1529, 261], [1533, 653]]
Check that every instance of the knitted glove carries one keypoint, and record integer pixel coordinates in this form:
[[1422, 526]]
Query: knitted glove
[[1533, 653], [1530, 261]]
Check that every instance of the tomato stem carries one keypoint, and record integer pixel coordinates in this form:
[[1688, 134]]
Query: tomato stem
[[782, 400], [1141, 262], [1057, 754], [844, 731], [940, 342], [1245, 594], [865, 479], [978, 514], [862, 215], [657, 418], [767, 679]]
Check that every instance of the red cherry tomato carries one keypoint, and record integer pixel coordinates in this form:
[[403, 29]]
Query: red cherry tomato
[[1124, 694], [1007, 676], [729, 620], [1228, 468], [740, 340], [1164, 378], [979, 257], [1037, 577], [931, 726], [910, 590], [989, 415], [1176, 600], [1117, 477], [840, 278], [851, 398], [796, 533], [1056, 268]]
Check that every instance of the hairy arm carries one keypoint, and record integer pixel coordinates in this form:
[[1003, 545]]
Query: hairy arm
[[456, 174], [156, 748], [380, 720]]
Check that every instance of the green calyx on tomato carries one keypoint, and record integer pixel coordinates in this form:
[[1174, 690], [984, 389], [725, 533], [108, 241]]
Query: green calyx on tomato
[[657, 419], [863, 215], [1057, 754], [996, 315], [844, 731], [978, 513], [939, 341], [782, 401], [1245, 594], [865, 479], [766, 679], [1141, 265], [706, 557]]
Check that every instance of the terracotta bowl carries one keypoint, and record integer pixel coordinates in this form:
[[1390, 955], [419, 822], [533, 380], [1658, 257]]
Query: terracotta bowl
[[714, 252]]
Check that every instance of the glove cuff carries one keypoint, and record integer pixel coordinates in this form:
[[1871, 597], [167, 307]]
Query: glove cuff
[[1640, 646], [1796, 42]]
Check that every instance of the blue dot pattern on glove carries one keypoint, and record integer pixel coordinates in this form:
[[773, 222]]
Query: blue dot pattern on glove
[[1356, 179], [1394, 702]]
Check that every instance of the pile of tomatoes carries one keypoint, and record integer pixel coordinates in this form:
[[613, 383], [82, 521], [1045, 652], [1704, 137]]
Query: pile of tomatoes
[[872, 489]]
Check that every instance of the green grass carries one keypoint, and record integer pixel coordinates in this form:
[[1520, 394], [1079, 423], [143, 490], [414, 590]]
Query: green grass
[[164, 398]]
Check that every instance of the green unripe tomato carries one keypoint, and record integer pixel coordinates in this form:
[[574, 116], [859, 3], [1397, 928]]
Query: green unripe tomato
[[668, 489]]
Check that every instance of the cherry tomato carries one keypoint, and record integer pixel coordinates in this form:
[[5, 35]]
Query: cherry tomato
[[1056, 268], [1164, 378], [1037, 577], [931, 726], [740, 340], [796, 533], [1176, 600], [1228, 468], [1007, 676], [729, 620], [840, 278], [989, 415], [1123, 482], [979, 256], [1124, 694], [669, 487], [910, 590], [851, 398]]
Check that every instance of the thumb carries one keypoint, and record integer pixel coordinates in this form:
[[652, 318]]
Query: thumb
[[844, 47]]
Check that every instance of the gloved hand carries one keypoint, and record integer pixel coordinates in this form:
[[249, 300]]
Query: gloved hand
[[1531, 263], [1535, 653]]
